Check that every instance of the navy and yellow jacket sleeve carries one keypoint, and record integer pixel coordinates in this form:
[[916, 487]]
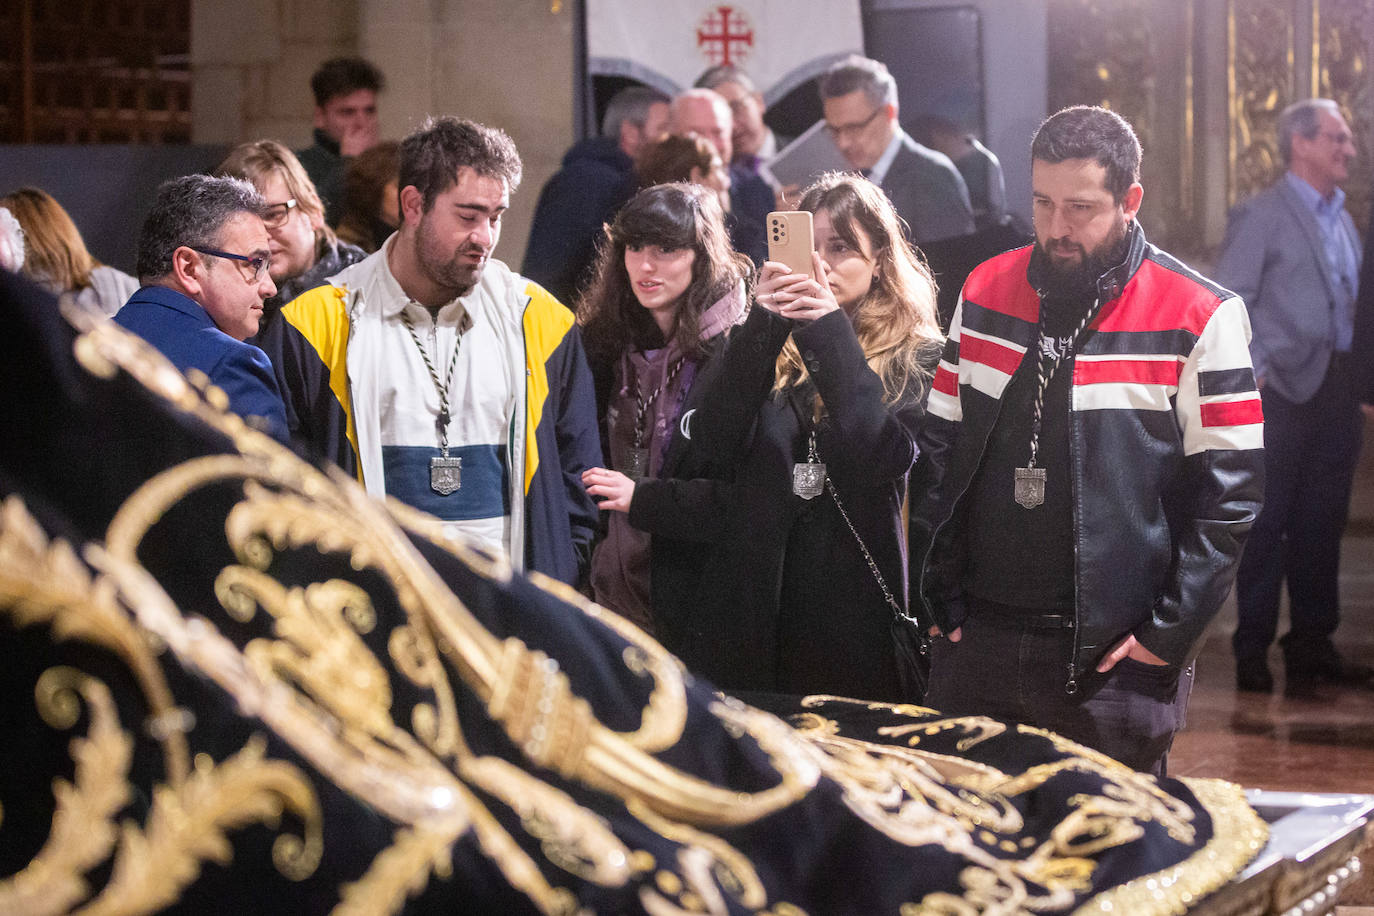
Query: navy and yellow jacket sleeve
[[561, 441], [245, 375], [307, 342]]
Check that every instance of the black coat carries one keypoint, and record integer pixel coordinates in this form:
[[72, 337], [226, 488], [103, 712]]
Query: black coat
[[754, 587]]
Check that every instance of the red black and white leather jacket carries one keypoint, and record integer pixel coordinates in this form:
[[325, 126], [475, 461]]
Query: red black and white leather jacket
[[1166, 449]]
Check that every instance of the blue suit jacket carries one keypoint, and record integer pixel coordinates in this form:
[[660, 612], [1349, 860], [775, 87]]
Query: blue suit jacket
[[1273, 258], [182, 330]]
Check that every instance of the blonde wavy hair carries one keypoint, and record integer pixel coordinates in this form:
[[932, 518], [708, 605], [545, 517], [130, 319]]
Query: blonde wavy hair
[[896, 322]]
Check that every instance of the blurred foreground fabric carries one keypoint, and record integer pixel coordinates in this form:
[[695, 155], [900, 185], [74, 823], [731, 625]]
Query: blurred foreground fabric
[[233, 683]]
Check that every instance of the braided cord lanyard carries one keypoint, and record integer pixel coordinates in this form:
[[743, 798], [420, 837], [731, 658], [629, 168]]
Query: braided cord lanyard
[[1044, 377], [643, 404], [442, 420]]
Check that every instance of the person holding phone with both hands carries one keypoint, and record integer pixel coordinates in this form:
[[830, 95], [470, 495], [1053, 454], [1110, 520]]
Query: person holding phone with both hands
[[788, 551]]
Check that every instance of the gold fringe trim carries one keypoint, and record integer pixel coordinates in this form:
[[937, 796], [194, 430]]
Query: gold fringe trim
[[1238, 834]]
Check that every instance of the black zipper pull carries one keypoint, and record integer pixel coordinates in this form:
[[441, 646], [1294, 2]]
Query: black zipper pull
[[1071, 685]]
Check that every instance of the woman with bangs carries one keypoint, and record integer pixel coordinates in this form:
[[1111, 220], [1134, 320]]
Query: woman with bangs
[[813, 416], [666, 289]]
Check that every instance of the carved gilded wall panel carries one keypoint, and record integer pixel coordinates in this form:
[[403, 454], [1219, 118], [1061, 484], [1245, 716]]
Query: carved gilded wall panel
[[1341, 46], [1103, 53], [1136, 58], [1261, 81], [1203, 82]]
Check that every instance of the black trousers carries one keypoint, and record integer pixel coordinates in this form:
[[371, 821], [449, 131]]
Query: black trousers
[[1310, 451], [1018, 673]]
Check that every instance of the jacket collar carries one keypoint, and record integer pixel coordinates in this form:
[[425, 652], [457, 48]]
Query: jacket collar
[[499, 295], [326, 142], [1114, 279], [174, 300]]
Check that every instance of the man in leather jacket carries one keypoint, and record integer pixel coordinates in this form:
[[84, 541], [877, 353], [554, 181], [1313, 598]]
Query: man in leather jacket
[[1093, 457]]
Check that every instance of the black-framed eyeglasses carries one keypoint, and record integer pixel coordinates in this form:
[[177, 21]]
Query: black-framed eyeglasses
[[841, 130], [275, 216], [259, 262]]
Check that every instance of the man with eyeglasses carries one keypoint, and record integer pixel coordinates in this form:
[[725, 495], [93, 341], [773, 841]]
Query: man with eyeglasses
[[203, 260], [859, 98], [1292, 253]]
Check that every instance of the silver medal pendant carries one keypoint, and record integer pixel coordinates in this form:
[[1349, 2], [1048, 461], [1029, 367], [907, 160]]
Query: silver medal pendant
[[636, 463], [808, 479], [1029, 490], [445, 474]]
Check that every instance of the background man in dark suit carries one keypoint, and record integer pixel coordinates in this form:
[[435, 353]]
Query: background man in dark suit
[[1292, 253], [203, 260], [859, 97]]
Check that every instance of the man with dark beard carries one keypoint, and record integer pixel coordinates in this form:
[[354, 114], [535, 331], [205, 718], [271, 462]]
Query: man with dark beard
[[444, 379], [1093, 457]]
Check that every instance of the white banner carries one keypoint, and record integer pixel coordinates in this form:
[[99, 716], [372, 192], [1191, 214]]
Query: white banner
[[668, 43]]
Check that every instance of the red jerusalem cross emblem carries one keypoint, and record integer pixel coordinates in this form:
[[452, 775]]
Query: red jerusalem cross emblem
[[725, 35]]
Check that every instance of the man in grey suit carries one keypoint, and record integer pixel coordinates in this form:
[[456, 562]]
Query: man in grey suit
[[859, 98], [1292, 253]]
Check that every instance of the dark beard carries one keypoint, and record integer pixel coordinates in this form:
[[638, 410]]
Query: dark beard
[[441, 266], [1080, 280]]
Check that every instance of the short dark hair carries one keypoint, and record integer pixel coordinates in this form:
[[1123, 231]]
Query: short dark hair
[[1302, 119], [857, 73], [631, 104], [724, 73], [342, 75], [1090, 132], [191, 211], [432, 156]]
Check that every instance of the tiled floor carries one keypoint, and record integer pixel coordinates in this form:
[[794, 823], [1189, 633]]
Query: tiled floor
[[1321, 744]]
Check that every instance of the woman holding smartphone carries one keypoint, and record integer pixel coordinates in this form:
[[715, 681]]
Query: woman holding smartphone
[[666, 289], [809, 426]]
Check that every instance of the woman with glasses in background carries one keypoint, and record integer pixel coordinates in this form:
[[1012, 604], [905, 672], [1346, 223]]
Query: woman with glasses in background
[[305, 252]]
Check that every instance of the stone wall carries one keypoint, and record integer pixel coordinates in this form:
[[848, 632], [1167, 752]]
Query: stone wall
[[504, 63]]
